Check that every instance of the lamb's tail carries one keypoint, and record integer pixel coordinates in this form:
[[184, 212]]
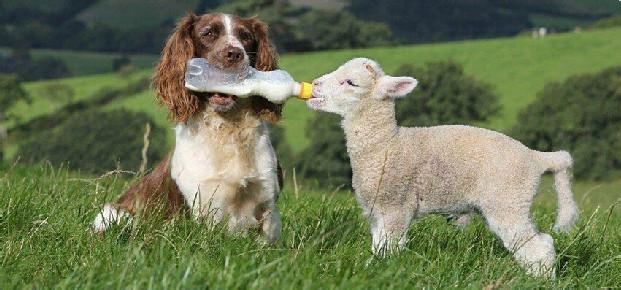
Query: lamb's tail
[[560, 163]]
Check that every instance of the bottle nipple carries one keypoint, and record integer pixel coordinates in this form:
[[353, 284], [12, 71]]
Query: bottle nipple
[[306, 91]]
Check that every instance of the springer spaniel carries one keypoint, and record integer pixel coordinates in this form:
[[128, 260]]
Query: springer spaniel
[[223, 164]]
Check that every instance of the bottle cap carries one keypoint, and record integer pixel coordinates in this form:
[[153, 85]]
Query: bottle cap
[[306, 91]]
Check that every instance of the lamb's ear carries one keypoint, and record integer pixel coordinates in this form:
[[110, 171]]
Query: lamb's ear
[[394, 87]]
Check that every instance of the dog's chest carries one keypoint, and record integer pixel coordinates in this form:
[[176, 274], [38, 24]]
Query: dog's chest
[[213, 154]]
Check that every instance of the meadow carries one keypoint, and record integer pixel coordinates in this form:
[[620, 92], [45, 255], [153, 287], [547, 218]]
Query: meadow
[[517, 68], [45, 214]]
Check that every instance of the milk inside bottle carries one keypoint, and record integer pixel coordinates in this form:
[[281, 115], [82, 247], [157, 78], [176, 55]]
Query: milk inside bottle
[[276, 86]]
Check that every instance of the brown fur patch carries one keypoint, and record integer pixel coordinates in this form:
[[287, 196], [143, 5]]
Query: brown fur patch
[[155, 191]]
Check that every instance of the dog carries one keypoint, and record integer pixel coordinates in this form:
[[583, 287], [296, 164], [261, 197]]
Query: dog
[[223, 165]]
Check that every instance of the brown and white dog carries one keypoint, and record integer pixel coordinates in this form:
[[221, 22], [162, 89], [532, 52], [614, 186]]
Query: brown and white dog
[[223, 164]]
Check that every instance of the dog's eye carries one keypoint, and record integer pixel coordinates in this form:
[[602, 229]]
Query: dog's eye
[[351, 83], [208, 32], [244, 35]]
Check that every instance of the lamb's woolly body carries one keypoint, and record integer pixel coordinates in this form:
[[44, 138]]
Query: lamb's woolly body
[[400, 173]]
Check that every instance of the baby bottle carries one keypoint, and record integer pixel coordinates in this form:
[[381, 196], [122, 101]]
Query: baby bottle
[[276, 86]]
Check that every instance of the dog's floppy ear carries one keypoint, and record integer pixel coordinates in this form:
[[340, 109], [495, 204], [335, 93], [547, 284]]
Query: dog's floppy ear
[[265, 59], [169, 77], [394, 87]]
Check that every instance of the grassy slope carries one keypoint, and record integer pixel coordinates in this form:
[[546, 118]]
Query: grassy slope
[[325, 243], [517, 67], [84, 87], [87, 63], [124, 13]]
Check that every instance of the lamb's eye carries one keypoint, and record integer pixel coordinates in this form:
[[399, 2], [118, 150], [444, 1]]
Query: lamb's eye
[[351, 83]]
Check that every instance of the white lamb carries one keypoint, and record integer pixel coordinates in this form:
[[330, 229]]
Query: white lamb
[[403, 173]]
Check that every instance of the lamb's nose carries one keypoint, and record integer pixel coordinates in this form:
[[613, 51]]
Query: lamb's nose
[[234, 54], [316, 83]]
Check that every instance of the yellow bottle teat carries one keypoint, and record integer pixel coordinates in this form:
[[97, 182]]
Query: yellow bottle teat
[[306, 91]]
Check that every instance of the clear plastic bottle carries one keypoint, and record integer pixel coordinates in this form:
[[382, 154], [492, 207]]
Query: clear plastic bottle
[[276, 86]]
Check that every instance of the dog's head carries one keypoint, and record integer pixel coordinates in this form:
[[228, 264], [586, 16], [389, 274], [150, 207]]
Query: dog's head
[[224, 40]]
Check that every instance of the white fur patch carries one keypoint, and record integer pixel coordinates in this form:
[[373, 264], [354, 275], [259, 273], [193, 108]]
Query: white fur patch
[[229, 30], [108, 216]]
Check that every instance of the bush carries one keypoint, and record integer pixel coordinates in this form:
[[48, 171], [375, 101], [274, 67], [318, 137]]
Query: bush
[[582, 115], [326, 159], [58, 93], [445, 95], [284, 152], [29, 69], [97, 142], [613, 21], [339, 29]]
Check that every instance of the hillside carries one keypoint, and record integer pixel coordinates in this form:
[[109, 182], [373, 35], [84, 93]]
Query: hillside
[[124, 13], [82, 63], [516, 67]]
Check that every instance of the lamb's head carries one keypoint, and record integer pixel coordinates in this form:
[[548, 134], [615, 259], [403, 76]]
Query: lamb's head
[[343, 90]]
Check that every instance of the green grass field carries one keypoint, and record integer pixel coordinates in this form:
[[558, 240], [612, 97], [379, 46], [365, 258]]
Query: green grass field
[[125, 13], [45, 214], [82, 63], [517, 68]]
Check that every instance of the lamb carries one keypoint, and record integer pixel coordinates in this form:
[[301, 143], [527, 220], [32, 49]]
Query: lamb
[[403, 173]]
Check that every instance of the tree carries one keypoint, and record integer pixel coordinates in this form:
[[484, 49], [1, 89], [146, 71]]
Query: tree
[[326, 159], [445, 95], [339, 29], [11, 92], [581, 115], [96, 142], [302, 29], [284, 152], [58, 93]]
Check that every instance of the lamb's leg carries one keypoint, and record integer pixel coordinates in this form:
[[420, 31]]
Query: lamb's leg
[[271, 225], [389, 229], [533, 250]]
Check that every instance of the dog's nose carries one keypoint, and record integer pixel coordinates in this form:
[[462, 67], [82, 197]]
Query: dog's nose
[[234, 54]]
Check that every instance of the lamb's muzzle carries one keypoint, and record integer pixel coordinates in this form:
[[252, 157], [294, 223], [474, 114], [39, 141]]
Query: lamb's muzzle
[[400, 173]]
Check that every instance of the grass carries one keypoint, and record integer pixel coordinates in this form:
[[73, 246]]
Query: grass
[[325, 244], [517, 68], [124, 14], [82, 63], [84, 87]]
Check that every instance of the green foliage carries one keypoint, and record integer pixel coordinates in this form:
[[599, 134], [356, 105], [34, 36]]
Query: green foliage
[[296, 29], [445, 95], [284, 153], [26, 68], [97, 142], [58, 93], [322, 29], [120, 62], [612, 21], [325, 159], [100, 98], [424, 21], [581, 115], [11, 92]]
